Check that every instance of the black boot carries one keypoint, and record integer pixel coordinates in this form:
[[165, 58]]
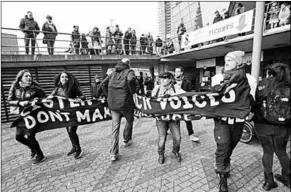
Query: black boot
[[269, 182], [223, 183], [284, 178], [178, 156], [161, 159]]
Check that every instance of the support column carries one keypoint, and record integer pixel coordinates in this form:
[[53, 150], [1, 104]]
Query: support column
[[258, 35]]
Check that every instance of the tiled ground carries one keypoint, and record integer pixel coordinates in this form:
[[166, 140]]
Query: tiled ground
[[137, 168]]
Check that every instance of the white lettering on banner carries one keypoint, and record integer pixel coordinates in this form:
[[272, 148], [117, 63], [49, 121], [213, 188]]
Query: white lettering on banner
[[163, 102], [89, 102], [80, 116], [146, 102], [186, 117], [29, 122], [213, 102], [66, 115], [55, 115], [231, 97], [187, 105], [49, 104], [39, 117], [176, 117], [106, 112], [234, 25], [61, 102], [172, 103], [74, 104], [96, 115], [200, 105], [136, 98]]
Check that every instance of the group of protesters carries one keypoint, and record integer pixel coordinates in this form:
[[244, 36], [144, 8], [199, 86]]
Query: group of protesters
[[119, 87]]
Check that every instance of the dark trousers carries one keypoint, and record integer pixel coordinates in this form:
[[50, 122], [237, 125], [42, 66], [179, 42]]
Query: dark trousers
[[133, 47], [163, 127], [226, 137], [274, 139], [189, 127], [143, 49], [29, 37], [50, 46], [118, 47], [77, 48], [30, 141], [150, 49], [126, 47], [72, 131]]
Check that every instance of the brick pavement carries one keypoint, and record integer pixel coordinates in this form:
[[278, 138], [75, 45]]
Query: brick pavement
[[137, 168]]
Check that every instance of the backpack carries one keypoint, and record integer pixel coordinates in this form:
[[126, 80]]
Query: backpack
[[276, 107]]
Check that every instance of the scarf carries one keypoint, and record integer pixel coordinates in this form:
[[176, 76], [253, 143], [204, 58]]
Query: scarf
[[24, 84]]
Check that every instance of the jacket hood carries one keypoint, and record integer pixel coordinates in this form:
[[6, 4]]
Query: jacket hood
[[120, 66]]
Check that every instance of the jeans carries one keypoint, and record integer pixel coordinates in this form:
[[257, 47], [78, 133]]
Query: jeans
[[50, 46], [163, 127], [118, 47], [72, 131], [226, 137], [30, 141], [77, 48], [189, 127], [127, 132], [29, 37], [274, 139], [126, 47], [133, 47]]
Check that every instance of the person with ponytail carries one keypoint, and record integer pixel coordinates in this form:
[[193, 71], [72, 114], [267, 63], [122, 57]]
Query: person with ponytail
[[273, 99], [23, 92], [67, 86]]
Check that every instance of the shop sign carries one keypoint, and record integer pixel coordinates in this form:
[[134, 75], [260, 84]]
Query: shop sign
[[206, 63]]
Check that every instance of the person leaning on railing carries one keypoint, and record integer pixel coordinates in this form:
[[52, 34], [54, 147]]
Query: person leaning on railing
[[133, 42], [284, 15], [150, 43], [117, 39], [75, 37], [50, 37], [108, 41], [30, 29], [23, 92], [159, 45]]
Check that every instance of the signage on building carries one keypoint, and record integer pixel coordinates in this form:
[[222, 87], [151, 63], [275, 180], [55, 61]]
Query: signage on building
[[234, 25], [247, 58], [205, 63]]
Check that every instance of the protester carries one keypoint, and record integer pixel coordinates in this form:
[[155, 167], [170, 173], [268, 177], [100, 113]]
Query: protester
[[96, 90], [121, 87], [180, 31], [159, 45], [127, 37], [23, 92], [68, 86], [117, 39], [183, 83], [284, 15], [240, 9], [274, 135], [274, 15], [143, 44], [30, 29], [170, 46], [133, 42], [108, 41], [96, 41], [166, 89], [149, 83], [150, 43], [227, 132], [75, 37], [50, 37]]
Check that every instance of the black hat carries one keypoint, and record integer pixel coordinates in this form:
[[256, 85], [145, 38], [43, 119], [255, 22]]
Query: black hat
[[49, 17], [167, 74]]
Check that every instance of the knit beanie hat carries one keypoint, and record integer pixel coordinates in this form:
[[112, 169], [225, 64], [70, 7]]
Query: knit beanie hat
[[236, 56]]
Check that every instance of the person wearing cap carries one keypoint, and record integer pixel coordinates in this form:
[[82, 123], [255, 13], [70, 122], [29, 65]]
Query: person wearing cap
[[227, 131], [166, 89], [119, 88], [117, 40], [30, 29], [50, 32], [75, 37]]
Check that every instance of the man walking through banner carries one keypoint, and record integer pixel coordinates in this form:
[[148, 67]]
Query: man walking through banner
[[185, 84], [119, 88]]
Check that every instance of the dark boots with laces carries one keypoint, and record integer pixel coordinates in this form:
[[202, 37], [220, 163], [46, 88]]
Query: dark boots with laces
[[269, 182], [223, 182]]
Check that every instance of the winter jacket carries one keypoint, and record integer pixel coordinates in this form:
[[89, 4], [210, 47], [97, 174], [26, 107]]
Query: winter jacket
[[29, 24], [108, 40], [159, 42], [75, 37], [96, 36], [117, 36], [120, 86], [127, 37], [51, 28], [143, 40], [18, 93], [96, 90], [217, 18], [181, 30], [60, 91], [150, 40], [133, 39], [185, 84], [149, 83]]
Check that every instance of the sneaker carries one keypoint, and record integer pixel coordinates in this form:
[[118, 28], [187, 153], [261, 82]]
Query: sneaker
[[193, 138], [78, 154], [128, 143], [32, 155], [39, 159], [73, 150], [113, 157]]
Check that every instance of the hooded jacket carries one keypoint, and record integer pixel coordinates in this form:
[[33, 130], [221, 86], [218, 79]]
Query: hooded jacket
[[186, 85], [52, 32], [119, 87], [28, 24]]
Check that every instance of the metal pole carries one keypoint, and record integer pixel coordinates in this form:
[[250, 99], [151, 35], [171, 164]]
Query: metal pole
[[258, 35]]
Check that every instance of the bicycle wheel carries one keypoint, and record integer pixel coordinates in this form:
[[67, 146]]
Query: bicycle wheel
[[248, 132]]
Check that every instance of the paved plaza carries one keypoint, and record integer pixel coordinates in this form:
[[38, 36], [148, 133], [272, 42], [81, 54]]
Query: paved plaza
[[137, 168]]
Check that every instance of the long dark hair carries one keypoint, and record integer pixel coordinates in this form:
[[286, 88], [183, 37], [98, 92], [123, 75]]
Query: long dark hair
[[281, 72], [19, 77], [72, 85]]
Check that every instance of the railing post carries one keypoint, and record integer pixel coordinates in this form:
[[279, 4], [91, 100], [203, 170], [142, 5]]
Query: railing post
[[257, 42]]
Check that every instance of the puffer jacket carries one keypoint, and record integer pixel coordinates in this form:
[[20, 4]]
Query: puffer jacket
[[18, 93], [28, 24]]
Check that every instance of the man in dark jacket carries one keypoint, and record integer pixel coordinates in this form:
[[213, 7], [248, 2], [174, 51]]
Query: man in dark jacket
[[117, 40], [159, 45], [50, 33], [96, 90], [121, 85], [180, 31], [127, 37], [30, 29], [185, 84], [76, 39], [143, 44]]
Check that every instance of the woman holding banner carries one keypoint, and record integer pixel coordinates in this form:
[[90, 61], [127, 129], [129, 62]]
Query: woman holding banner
[[67, 86], [23, 92], [166, 89]]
